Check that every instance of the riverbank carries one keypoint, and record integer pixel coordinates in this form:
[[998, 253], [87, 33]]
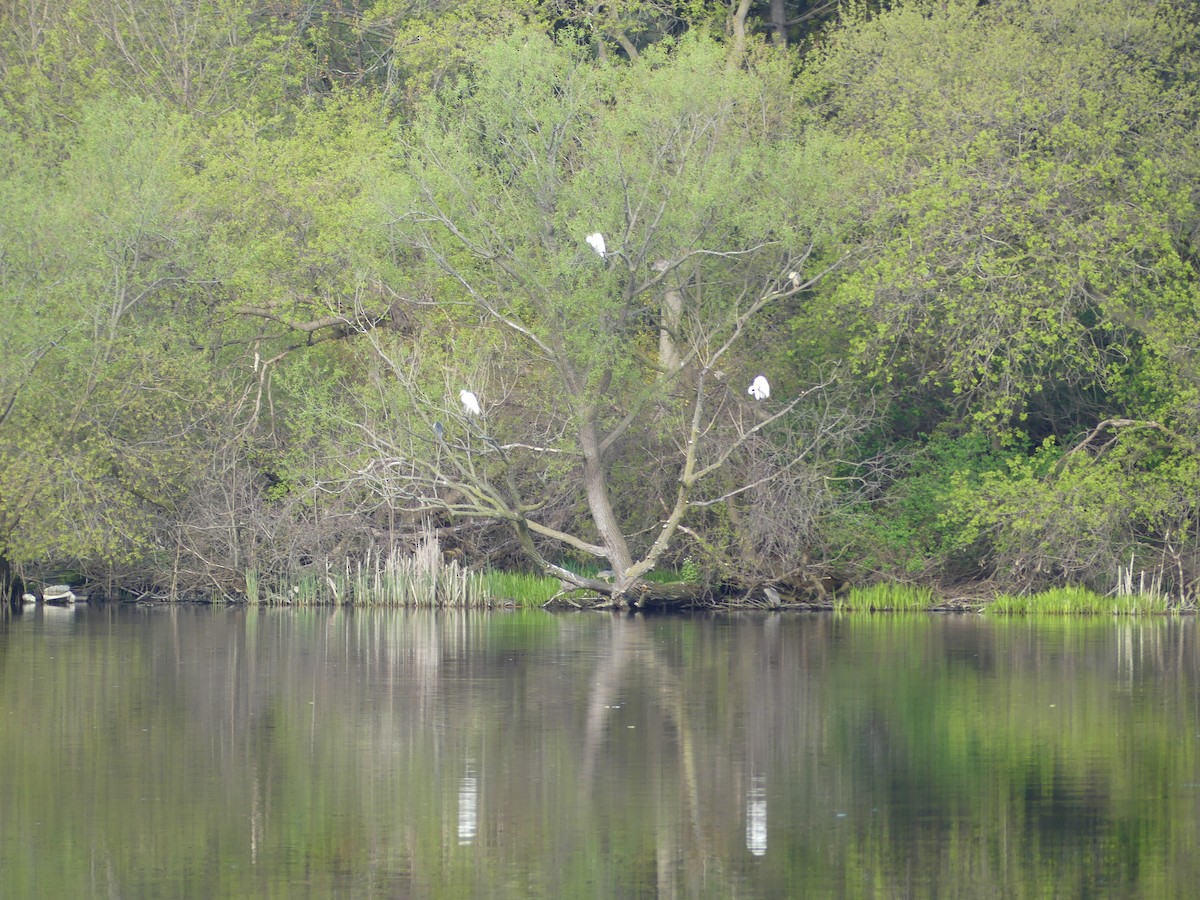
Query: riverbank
[[452, 586]]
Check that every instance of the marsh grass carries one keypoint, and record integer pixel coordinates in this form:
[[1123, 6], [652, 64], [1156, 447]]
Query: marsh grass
[[890, 597], [418, 578], [519, 588], [1151, 588], [664, 576], [1078, 601], [528, 590], [421, 578], [252, 595]]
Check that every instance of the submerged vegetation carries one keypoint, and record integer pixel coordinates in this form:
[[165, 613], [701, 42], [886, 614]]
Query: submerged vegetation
[[251, 259]]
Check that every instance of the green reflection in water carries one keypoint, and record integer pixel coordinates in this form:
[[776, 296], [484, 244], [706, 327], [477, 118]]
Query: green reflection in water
[[214, 752]]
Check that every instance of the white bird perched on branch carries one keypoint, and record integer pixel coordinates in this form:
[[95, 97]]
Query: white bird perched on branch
[[596, 242], [760, 388], [470, 403]]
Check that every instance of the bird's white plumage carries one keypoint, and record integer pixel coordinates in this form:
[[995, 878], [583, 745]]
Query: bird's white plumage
[[760, 388], [470, 403], [596, 242]]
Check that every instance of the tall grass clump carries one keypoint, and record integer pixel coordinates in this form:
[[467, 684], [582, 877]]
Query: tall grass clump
[[252, 594], [891, 597], [1150, 589], [1078, 601], [519, 588], [420, 578]]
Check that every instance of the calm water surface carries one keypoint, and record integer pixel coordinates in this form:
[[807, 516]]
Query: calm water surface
[[196, 752]]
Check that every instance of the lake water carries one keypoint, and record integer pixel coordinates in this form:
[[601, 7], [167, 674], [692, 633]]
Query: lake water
[[212, 752]]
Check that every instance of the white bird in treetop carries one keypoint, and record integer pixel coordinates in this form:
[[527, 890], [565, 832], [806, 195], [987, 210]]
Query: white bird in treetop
[[470, 403], [596, 241], [760, 388]]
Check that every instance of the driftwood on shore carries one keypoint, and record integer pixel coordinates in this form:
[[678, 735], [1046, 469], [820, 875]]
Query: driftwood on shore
[[640, 595], [649, 595], [58, 593], [679, 595]]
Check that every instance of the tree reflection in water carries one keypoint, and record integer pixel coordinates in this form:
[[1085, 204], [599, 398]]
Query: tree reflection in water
[[527, 755]]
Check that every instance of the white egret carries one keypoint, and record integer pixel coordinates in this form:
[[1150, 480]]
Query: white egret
[[596, 241], [756, 816], [760, 388], [470, 403]]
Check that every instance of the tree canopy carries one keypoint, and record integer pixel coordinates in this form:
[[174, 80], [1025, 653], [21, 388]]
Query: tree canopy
[[250, 254]]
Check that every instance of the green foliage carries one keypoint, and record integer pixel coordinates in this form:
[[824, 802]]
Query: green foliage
[[248, 258], [1019, 226], [560, 149], [1023, 280], [689, 572], [442, 42], [101, 434], [911, 528], [1050, 516]]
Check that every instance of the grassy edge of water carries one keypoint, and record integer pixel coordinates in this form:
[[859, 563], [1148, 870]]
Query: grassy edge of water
[[1079, 601], [425, 578], [1069, 601], [887, 598], [421, 579], [522, 589]]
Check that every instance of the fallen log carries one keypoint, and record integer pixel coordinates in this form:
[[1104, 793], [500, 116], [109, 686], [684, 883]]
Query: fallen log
[[655, 595], [58, 593]]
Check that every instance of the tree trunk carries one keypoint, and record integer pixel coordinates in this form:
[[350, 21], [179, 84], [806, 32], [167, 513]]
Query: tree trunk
[[672, 312], [599, 502], [778, 23], [738, 28], [7, 587]]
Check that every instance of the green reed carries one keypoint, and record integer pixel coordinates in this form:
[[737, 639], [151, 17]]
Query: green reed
[[519, 588], [1078, 601], [889, 597], [252, 594], [420, 577]]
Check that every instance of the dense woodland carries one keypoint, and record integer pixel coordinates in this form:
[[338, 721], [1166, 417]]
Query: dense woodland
[[251, 251]]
